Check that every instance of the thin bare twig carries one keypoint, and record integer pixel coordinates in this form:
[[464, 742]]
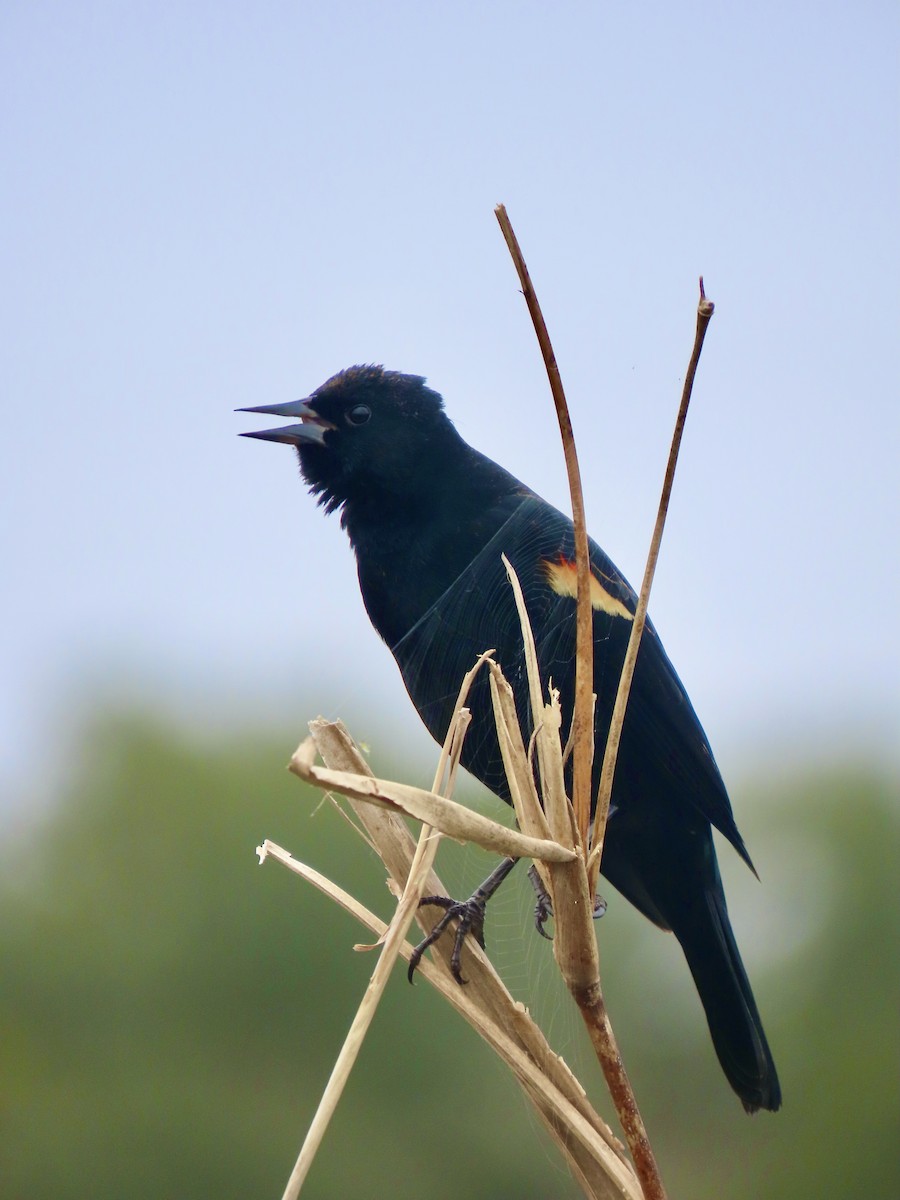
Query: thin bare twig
[[575, 945], [583, 709], [705, 310]]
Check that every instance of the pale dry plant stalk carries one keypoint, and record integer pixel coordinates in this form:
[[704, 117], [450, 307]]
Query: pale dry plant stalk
[[577, 955], [596, 1157]]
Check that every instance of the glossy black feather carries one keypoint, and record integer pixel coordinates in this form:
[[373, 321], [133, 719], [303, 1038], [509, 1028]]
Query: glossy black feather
[[428, 517]]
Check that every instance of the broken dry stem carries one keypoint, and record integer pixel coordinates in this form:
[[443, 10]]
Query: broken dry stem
[[597, 1162], [705, 310], [451, 819], [574, 941], [392, 940], [582, 716], [606, 1151]]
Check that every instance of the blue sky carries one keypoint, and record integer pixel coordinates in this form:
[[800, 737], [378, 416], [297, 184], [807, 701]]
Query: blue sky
[[207, 206]]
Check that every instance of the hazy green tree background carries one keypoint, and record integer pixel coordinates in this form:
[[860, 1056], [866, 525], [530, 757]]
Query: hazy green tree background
[[170, 1010]]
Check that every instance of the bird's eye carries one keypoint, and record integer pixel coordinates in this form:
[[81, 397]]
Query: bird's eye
[[358, 414]]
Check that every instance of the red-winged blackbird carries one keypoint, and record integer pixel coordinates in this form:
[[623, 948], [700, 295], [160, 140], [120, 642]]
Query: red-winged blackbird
[[429, 517]]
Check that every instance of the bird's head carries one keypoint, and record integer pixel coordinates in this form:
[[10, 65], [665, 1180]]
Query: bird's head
[[365, 434]]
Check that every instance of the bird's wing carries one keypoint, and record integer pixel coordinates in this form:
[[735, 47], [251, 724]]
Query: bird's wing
[[664, 748]]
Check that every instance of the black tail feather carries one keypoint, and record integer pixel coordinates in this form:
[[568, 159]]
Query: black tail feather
[[734, 1021]]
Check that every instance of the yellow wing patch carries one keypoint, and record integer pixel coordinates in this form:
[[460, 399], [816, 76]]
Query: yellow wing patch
[[563, 579]]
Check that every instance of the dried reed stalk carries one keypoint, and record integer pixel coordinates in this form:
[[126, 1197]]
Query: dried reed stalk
[[582, 716], [705, 309], [596, 1157]]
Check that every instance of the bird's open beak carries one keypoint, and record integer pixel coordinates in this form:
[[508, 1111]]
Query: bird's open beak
[[312, 427]]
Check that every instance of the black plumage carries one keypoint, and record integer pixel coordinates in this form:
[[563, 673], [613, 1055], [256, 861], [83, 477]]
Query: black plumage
[[428, 517]]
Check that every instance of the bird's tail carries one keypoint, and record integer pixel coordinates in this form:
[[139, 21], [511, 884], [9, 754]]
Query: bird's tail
[[734, 1021]]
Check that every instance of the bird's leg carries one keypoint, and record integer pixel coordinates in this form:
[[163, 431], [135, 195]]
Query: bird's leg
[[470, 915], [543, 907]]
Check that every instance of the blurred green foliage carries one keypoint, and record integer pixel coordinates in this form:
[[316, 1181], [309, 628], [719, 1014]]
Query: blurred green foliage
[[170, 1011]]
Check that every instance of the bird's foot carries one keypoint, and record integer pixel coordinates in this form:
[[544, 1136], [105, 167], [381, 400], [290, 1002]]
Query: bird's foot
[[543, 905], [470, 915], [543, 908]]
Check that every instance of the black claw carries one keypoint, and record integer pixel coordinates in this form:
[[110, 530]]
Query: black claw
[[542, 912], [470, 916], [416, 957], [543, 908]]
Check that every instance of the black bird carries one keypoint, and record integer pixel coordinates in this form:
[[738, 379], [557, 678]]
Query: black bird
[[428, 517]]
